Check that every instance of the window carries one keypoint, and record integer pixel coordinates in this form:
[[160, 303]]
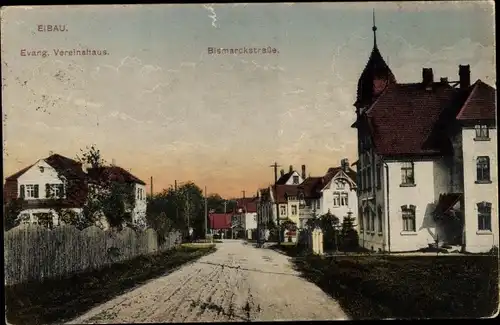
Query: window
[[408, 218], [344, 199], [372, 213], [340, 185], [484, 216], [380, 228], [283, 210], [361, 221], [54, 190], [482, 132], [336, 199], [295, 180], [407, 177], [379, 172], [294, 210], [483, 169], [29, 191], [317, 204]]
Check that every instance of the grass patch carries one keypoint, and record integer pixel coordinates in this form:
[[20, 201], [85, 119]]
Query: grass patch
[[407, 286], [59, 300]]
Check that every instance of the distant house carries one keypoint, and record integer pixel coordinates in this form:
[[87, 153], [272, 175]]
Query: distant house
[[220, 223], [335, 192], [48, 184], [427, 161], [58, 182], [246, 210]]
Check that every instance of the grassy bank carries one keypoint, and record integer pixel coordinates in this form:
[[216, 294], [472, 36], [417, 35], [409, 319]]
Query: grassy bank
[[61, 300], [407, 287]]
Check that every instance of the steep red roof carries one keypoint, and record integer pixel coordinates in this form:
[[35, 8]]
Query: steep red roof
[[248, 205], [283, 190], [67, 167], [402, 118], [220, 220], [481, 103], [113, 173], [311, 186]]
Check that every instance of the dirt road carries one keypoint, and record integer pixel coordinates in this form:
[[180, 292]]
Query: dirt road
[[236, 283]]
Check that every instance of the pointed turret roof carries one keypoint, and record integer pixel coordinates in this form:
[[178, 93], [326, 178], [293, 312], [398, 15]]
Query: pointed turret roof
[[376, 75]]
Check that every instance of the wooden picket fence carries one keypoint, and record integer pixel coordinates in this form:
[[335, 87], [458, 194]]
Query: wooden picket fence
[[34, 252]]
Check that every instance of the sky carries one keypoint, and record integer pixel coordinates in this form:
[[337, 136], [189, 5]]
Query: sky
[[160, 105]]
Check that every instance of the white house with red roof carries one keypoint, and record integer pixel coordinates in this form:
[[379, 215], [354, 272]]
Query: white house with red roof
[[427, 156], [58, 182], [246, 211]]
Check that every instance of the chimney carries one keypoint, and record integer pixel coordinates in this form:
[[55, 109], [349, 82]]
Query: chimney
[[51, 153], [427, 78], [290, 169], [282, 172], [464, 74], [303, 171], [345, 164], [113, 162]]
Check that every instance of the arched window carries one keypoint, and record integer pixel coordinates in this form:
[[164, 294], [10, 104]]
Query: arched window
[[483, 169]]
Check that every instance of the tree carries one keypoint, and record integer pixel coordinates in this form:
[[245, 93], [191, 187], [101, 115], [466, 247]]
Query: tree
[[348, 234], [106, 199], [329, 225], [12, 209]]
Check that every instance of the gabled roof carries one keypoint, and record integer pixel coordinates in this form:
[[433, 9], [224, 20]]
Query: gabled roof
[[65, 166], [283, 191], [311, 187], [113, 173], [333, 171], [402, 118], [283, 179], [248, 205], [220, 220], [16, 175], [480, 104]]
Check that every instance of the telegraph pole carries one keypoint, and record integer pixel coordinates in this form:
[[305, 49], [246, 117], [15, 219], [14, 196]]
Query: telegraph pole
[[151, 186], [243, 193], [275, 166], [206, 213]]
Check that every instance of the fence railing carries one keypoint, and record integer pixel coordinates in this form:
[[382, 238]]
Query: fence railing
[[35, 253]]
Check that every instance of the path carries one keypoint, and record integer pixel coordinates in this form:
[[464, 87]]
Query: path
[[236, 283]]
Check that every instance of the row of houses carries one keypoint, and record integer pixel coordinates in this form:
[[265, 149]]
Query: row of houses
[[57, 183], [426, 170]]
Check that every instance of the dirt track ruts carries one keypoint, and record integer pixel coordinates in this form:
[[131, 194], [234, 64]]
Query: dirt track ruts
[[236, 283]]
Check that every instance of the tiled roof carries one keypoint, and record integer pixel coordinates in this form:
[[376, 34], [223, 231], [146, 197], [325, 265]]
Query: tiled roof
[[291, 190], [220, 220], [402, 118], [67, 167], [247, 204], [481, 103], [335, 170], [113, 173], [311, 187]]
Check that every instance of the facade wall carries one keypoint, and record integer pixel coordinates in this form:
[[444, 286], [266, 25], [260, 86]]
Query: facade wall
[[40, 174], [479, 240]]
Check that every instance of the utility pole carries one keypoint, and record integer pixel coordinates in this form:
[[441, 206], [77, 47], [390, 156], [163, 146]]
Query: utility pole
[[176, 201], [243, 193], [151, 187], [275, 166], [206, 213], [225, 204]]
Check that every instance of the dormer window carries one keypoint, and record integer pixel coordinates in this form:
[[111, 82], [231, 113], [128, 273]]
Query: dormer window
[[482, 133], [295, 180]]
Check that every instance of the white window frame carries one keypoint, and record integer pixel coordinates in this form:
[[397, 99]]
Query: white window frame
[[294, 210], [29, 191], [283, 210], [409, 214], [344, 199], [336, 199]]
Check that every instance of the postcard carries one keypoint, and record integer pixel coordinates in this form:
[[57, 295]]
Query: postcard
[[249, 162]]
